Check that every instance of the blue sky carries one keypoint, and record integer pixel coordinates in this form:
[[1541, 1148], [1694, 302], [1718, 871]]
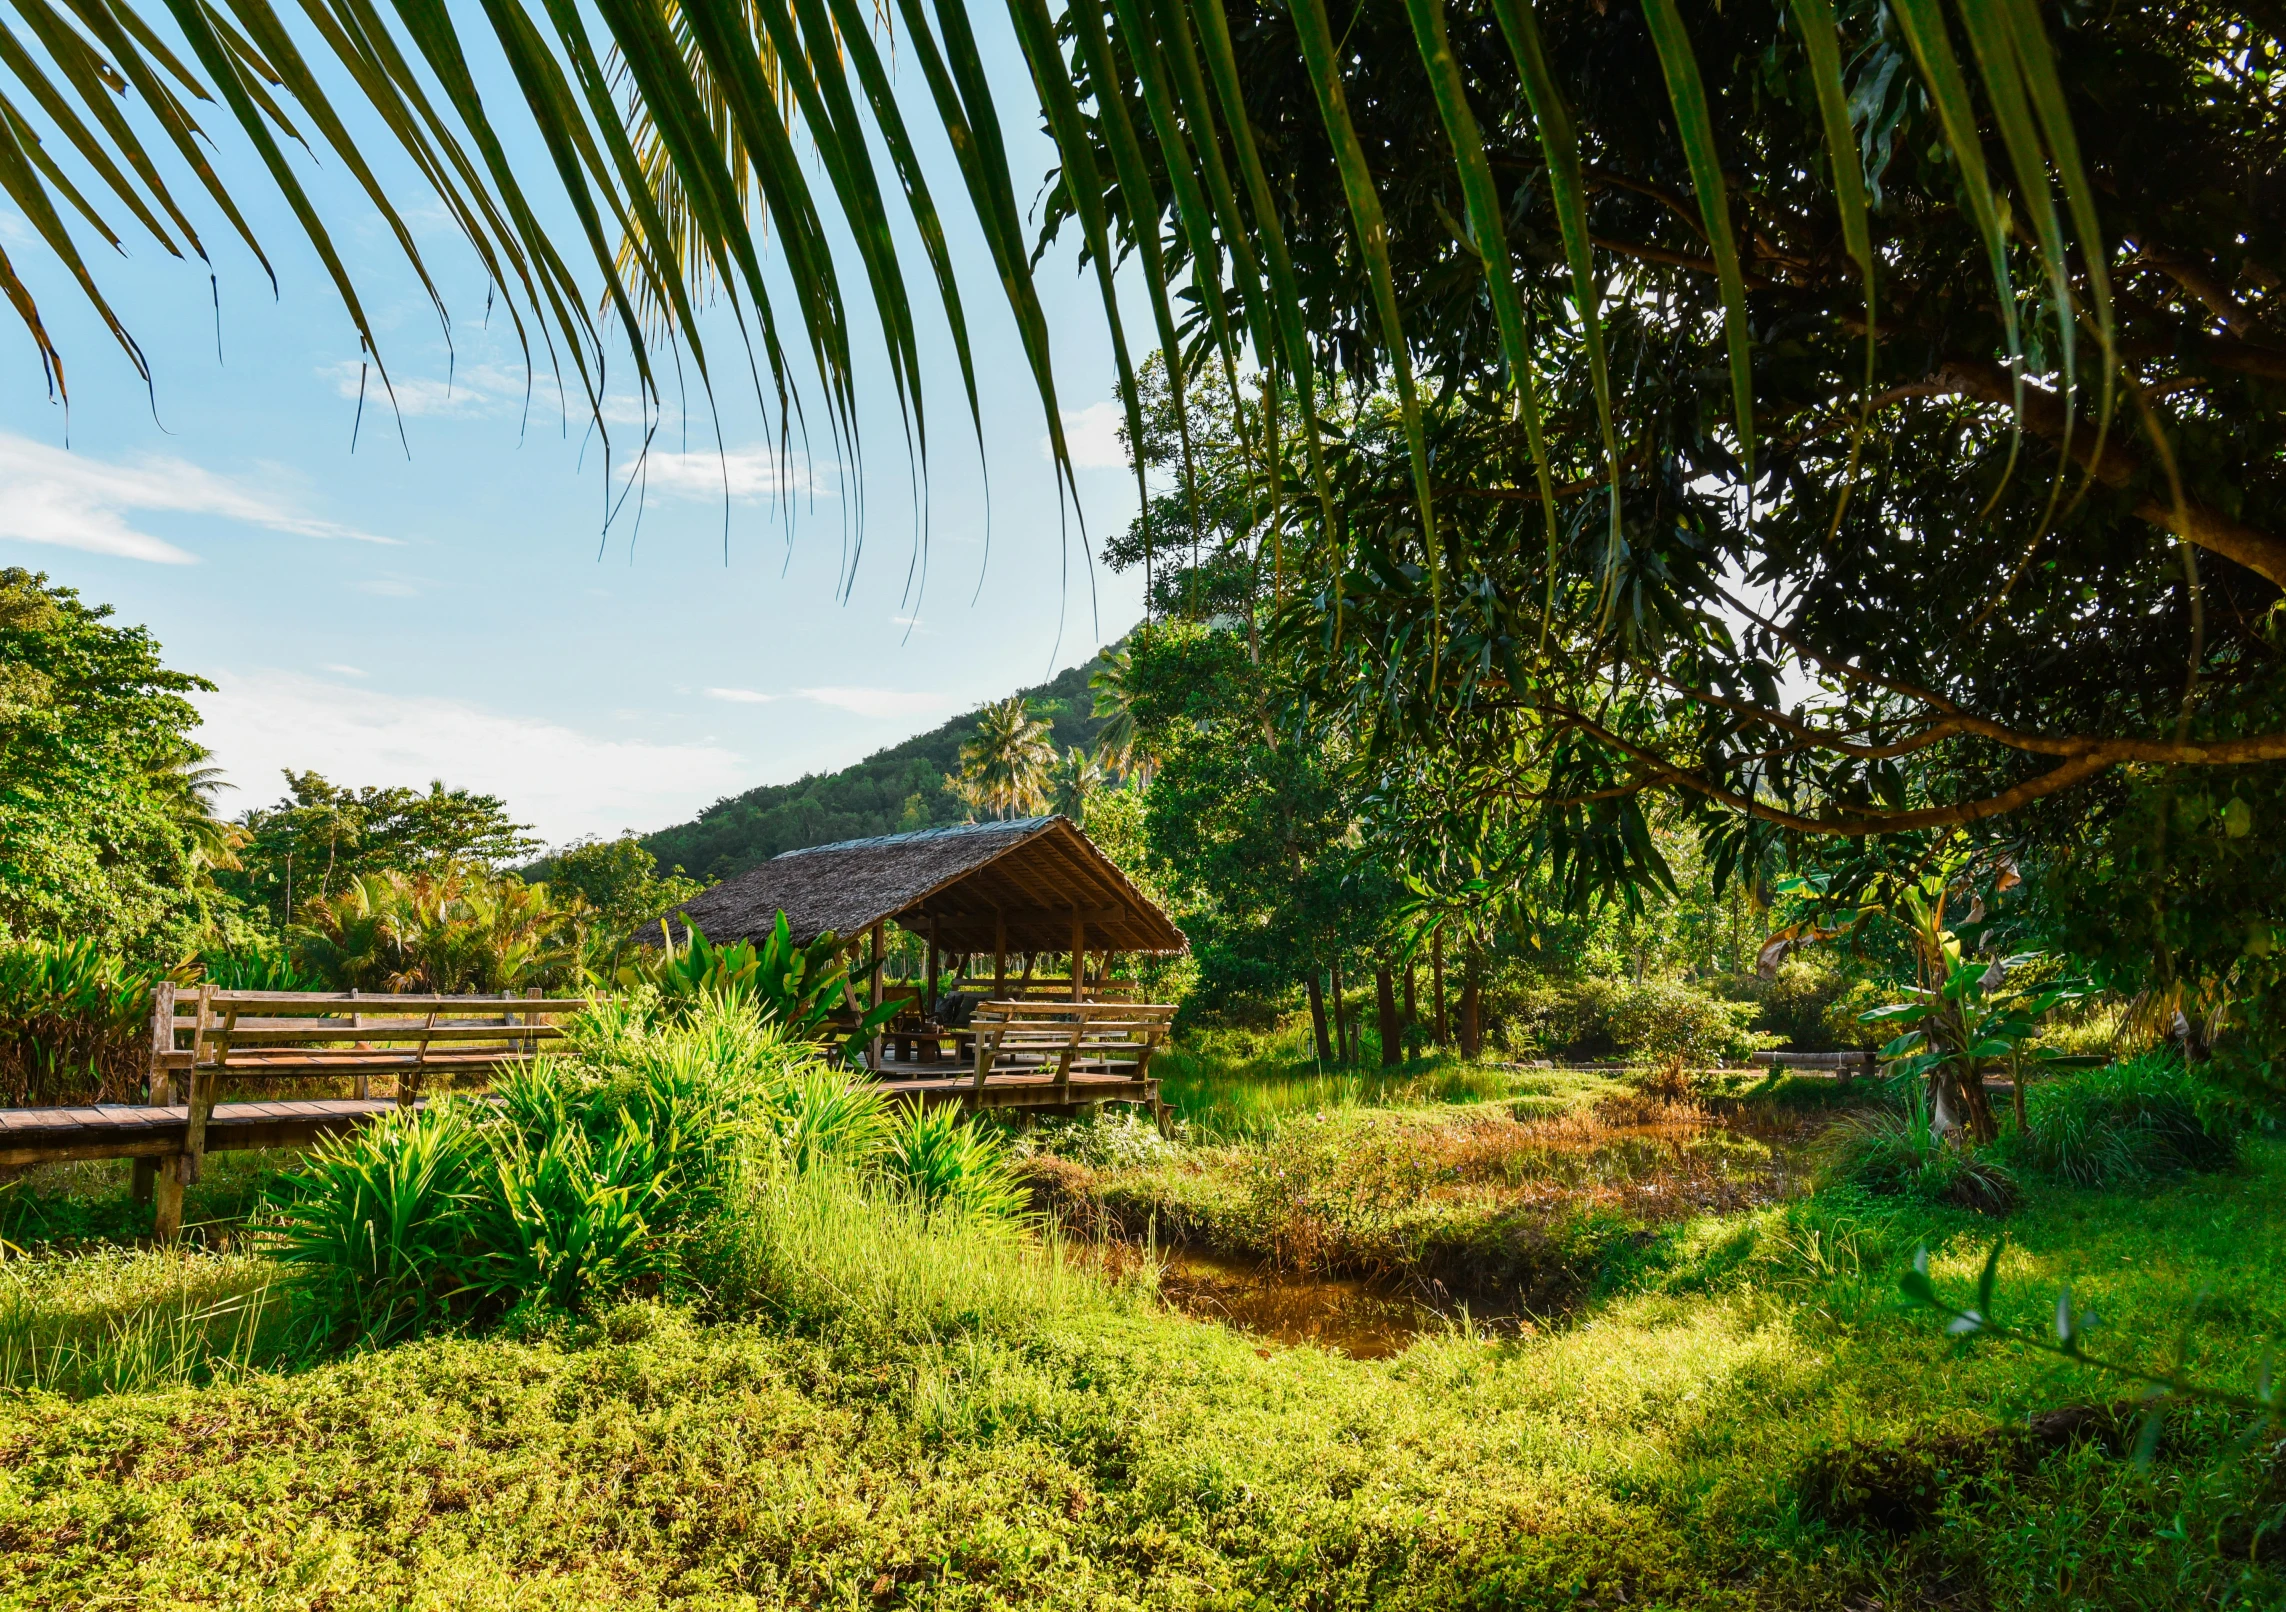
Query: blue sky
[[452, 607]]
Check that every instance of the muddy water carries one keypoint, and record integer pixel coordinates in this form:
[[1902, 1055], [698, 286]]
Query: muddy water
[[1364, 1319]]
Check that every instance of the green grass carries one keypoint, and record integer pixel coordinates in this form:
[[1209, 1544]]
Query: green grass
[[62, 1206], [867, 1402], [903, 1426], [1237, 1085]]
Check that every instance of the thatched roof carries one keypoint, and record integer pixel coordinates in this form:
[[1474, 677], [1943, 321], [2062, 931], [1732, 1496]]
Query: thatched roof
[[1014, 884]]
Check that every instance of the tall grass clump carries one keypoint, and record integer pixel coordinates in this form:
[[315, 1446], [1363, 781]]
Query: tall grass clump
[[1901, 1153], [2128, 1123], [125, 1320], [838, 1252], [621, 1170]]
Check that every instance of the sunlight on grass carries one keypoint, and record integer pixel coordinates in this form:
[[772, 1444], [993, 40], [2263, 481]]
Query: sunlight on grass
[[122, 1320]]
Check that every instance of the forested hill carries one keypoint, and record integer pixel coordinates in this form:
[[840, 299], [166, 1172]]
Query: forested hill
[[891, 790]]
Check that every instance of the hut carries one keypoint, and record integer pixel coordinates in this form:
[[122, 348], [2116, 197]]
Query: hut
[[975, 892]]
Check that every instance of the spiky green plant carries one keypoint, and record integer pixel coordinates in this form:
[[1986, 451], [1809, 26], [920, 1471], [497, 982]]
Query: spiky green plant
[[73, 1022], [802, 989], [378, 1224], [823, 1117], [951, 1162]]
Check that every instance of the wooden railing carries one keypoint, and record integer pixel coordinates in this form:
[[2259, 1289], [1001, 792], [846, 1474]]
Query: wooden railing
[[204, 1037], [255, 1035], [1099, 1038]]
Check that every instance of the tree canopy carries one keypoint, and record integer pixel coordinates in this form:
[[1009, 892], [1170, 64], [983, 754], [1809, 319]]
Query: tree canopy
[[102, 815]]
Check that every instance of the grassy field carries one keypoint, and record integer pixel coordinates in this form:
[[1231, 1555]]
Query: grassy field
[[873, 1406]]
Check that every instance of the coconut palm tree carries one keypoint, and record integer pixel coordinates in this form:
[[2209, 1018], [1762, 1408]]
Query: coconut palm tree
[[1008, 757], [187, 782], [1116, 741], [1073, 784], [675, 132]]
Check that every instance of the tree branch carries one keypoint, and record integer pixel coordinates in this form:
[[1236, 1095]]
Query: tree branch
[[2197, 522]]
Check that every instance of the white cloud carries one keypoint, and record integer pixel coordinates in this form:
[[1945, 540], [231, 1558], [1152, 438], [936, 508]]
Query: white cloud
[[740, 696], [389, 588], [478, 389], [562, 781], [1091, 436], [879, 702], [77, 501], [346, 671], [747, 473]]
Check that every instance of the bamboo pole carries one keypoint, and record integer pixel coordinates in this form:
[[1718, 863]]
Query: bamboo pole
[[1079, 954]]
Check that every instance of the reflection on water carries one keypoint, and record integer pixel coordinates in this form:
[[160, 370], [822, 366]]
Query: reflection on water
[[1362, 1318]]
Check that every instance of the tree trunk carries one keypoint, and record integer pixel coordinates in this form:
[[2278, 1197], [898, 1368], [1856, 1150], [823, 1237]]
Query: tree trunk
[[1982, 1127], [1471, 1007], [1341, 1018], [1317, 997], [1385, 1006], [1437, 979], [1412, 1017]]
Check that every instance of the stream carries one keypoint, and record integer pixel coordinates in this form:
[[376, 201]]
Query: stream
[[1364, 1318]]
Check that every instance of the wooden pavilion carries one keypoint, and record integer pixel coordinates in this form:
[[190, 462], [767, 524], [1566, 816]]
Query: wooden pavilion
[[976, 892]]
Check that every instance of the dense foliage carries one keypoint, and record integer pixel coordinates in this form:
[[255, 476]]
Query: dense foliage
[[101, 814], [320, 838]]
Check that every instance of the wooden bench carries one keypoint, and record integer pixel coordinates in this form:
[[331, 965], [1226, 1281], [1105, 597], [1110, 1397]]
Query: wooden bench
[[1114, 1039], [202, 1038]]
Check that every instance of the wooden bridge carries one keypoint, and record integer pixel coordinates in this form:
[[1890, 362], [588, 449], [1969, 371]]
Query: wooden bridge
[[1027, 1055], [206, 1039]]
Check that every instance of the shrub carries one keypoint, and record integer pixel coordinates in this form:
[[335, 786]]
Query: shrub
[[1116, 1139], [254, 968], [570, 1219], [2128, 1123], [1659, 1021], [947, 1161], [612, 1172], [378, 1224], [1900, 1154], [74, 1023], [824, 1117]]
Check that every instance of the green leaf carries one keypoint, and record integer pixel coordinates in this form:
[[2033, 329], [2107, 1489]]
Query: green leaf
[[1923, 24], [1567, 190], [1491, 241], [1372, 232], [1687, 92], [1986, 1277]]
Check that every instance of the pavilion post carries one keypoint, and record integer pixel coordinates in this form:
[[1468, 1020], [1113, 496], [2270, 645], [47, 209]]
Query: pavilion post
[[929, 1007], [875, 1046], [1079, 953], [999, 955]]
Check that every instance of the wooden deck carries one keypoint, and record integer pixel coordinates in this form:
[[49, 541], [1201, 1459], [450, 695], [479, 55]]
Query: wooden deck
[[1029, 1092], [146, 1131], [902, 1072]]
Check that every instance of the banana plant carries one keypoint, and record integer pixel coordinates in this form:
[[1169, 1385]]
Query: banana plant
[[1967, 1016], [803, 989]]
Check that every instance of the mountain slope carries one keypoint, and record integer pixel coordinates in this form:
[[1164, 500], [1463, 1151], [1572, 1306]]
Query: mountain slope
[[888, 792]]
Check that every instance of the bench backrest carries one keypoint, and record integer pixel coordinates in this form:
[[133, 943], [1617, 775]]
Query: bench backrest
[[1044, 1035], [203, 1027]]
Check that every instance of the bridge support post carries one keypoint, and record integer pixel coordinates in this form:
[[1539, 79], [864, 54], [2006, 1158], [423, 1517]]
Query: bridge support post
[[167, 1215]]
